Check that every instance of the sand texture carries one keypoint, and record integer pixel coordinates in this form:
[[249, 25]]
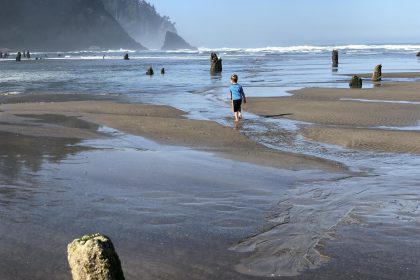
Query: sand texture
[[384, 118], [160, 123]]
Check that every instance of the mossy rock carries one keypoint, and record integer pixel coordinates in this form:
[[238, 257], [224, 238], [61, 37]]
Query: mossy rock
[[94, 257]]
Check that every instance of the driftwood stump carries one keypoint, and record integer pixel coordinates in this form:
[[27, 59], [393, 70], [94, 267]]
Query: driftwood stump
[[377, 73], [94, 257], [216, 63], [356, 82], [335, 58], [150, 71]]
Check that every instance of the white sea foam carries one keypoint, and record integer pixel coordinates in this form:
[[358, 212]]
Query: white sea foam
[[316, 49], [361, 49], [10, 93]]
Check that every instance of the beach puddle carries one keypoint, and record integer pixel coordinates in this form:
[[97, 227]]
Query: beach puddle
[[21, 154]]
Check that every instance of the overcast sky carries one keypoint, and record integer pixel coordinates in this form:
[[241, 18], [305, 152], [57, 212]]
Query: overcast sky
[[261, 23]]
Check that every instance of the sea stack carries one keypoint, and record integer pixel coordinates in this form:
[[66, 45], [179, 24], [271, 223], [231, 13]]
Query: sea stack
[[174, 42], [162, 71], [94, 257], [19, 56], [377, 73], [216, 63], [126, 57], [335, 58], [28, 55], [356, 82]]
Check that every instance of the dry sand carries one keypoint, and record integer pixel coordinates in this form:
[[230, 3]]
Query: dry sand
[[343, 117], [160, 123]]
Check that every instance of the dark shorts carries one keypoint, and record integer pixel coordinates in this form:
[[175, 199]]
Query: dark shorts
[[237, 105]]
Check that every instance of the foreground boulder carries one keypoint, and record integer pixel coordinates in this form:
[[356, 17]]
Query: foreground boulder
[[377, 73], [94, 257], [335, 58], [356, 82], [216, 63]]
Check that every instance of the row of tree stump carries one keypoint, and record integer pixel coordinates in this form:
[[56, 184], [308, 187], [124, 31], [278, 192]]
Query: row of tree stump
[[356, 81]]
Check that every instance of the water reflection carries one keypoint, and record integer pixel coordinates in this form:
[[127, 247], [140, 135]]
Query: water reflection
[[21, 155]]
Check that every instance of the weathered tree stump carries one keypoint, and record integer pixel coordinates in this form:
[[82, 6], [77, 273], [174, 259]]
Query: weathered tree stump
[[216, 64], [377, 73], [19, 56], [335, 58], [94, 257], [356, 82], [150, 71]]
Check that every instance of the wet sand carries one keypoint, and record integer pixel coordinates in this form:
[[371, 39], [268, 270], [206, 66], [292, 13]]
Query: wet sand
[[172, 212], [385, 118], [163, 124], [179, 212]]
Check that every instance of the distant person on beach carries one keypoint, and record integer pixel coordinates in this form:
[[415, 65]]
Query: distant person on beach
[[237, 95]]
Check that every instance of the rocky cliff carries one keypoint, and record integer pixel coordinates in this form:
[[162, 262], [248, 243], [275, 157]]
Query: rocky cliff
[[141, 21], [60, 25]]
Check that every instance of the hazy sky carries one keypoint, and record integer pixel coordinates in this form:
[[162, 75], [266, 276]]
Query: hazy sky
[[261, 23]]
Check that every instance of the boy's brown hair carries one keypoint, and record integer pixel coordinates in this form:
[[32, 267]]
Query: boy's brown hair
[[234, 78]]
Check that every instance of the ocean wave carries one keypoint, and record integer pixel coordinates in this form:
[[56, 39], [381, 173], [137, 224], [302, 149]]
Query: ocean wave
[[10, 93], [299, 49], [315, 49]]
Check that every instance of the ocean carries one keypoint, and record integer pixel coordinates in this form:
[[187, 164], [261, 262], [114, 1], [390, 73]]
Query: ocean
[[387, 194]]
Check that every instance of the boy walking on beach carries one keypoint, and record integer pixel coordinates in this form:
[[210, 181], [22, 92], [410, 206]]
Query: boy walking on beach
[[236, 96]]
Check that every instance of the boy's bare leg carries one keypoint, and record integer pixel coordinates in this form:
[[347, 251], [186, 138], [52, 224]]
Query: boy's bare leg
[[236, 116]]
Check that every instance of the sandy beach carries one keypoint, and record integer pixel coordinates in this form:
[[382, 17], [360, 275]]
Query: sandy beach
[[148, 188], [384, 118], [163, 124], [202, 200]]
